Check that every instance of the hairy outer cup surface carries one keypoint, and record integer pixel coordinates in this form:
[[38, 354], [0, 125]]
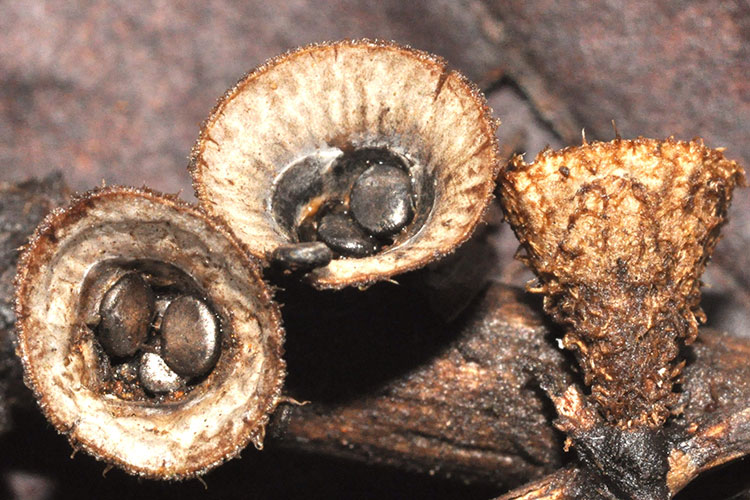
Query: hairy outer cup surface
[[619, 234]]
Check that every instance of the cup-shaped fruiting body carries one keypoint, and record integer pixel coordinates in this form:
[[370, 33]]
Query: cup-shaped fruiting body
[[618, 234], [147, 333], [374, 149]]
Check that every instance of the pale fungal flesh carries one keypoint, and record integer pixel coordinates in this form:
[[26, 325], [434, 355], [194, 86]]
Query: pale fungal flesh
[[177, 437], [324, 100]]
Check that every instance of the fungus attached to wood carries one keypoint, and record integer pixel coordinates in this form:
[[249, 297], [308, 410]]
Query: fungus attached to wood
[[147, 333], [618, 234], [375, 149]]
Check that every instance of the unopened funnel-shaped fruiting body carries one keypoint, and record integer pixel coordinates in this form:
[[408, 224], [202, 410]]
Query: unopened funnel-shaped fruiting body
[[294, 139], [619, 234], [119, 388]]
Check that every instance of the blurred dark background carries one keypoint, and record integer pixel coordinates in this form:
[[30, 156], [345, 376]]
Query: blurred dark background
[[115, 91]]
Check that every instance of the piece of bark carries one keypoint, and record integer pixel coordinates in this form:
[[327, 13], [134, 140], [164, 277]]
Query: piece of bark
[[716, 419], [713, 428], [474, 409], [567, 483], [22, 207]]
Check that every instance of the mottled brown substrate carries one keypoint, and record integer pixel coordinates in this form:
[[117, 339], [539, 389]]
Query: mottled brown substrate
[[618, 234], [188, 432], [462, 400], [321, 101], [22, 207]]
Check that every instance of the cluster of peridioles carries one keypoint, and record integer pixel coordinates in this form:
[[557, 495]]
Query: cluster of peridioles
[[163, 307]]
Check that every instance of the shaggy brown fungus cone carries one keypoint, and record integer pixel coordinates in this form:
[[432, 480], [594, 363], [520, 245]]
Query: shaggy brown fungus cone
[[619, 234], [398, 151], [100, 288]]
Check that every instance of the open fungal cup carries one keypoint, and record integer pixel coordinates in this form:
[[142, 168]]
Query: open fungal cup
[[354, 160], [147, 333], [619, 234]]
